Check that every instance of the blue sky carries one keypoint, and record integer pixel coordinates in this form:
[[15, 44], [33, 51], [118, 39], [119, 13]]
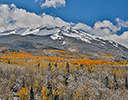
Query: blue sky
[[85, 11]]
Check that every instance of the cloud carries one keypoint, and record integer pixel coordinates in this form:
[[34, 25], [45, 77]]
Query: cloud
[[107, 30], [11, 17], [106, 24], [53, 3], [102, 29], [36, 0], [93, 31], [122, 39], [83, 26], [121, 22]]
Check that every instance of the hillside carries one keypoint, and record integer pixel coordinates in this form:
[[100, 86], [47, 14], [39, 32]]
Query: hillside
[[69, 65], [58, 74], [37, 43]]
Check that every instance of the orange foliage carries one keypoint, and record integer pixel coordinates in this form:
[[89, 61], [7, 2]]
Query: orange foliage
[[61, 57]]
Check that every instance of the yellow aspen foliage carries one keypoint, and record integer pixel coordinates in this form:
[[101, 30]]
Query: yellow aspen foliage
[[55, 92], [60, 90], [36, 85], [89, 69], [11, 78], [114, 71], [23, 94], [119, 72], [106, 69], [78, 95], [6, 97], [44, 92], [111, 85]]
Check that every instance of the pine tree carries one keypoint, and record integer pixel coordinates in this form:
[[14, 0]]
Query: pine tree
[[67, 67], [126, 82], [115, 80], [9, 62], [38, 65], [31, 94], [50, 66], [56, 97], [81, 65], [50, 88], [66, 79], [56, 65], [107, 82], [23, 83]]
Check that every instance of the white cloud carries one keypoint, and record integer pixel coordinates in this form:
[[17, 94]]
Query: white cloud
[[102, 29], [53, 3], [112, 30], [11, 17], [122, 23], [36, 0], [122, 39], [83, 27], [107, 30], [106, 24]]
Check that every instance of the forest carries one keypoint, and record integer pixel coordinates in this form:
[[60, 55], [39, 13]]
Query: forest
[[62, 75]]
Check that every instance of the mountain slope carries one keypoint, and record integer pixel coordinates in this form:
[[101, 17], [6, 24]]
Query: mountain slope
[[64, 38]]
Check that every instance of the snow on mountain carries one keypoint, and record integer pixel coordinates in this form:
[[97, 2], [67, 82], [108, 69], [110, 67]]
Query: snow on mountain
[[54, 32], [64, 38], [58, 33]]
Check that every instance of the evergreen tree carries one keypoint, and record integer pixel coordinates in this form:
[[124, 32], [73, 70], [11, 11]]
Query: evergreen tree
[[38, 65], [50, 88], [115, 80], [9, 62], [81, 65], [126, 82], [56, 97], [31, 94], [50, 66], [56, 65], [23, 82], [67, 67], [107, 82]]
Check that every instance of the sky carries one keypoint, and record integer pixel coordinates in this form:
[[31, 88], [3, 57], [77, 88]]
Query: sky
[[85, 11], [104, 18]]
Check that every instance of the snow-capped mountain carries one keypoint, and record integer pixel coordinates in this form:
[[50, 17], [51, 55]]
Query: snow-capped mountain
[[65, 38], [54, 33]]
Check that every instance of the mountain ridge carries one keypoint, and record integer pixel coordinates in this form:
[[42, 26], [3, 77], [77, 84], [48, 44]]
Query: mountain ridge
[[64, 38], [35, 44]]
